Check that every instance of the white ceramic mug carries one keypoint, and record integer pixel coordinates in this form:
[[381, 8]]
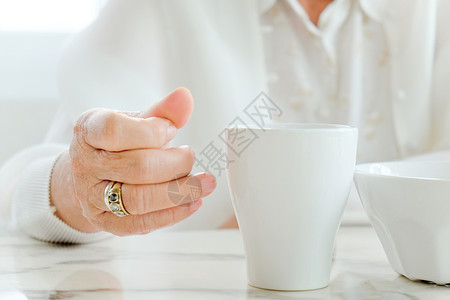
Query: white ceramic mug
[[289, 189]]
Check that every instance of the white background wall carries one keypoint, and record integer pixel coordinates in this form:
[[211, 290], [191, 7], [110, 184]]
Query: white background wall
[[32, 33], [28, 93]]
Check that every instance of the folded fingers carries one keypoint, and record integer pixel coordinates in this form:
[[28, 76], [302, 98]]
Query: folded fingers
[[116, 131], [141, 166], [146, 223]]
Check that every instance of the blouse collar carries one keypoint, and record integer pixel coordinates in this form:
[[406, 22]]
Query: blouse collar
[[373, 9]]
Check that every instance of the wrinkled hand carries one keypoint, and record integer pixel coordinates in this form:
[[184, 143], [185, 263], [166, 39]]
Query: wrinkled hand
[[129, 148]]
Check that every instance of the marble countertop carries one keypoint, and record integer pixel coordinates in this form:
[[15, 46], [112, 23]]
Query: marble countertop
[[188, 265]]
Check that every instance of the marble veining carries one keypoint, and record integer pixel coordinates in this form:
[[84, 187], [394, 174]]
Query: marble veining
[[188, 265]]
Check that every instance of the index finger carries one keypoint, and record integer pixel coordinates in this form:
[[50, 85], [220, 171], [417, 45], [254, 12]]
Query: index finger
[[116, 131]]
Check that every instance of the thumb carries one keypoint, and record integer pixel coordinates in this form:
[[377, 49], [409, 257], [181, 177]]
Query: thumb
[[177, 107]]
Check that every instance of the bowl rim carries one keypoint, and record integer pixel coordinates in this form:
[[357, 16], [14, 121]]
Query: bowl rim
[[358, 169]]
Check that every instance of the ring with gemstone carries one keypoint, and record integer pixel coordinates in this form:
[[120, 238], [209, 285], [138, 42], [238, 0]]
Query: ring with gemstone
[[113, 199]]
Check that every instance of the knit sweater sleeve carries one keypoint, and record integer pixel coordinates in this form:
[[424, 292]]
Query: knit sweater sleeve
[[26, 177]]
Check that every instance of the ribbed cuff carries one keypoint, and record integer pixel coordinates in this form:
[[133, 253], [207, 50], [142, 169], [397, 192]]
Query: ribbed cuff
[[35, 216]]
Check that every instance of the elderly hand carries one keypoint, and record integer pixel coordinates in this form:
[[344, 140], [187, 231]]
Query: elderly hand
[[129, 148]]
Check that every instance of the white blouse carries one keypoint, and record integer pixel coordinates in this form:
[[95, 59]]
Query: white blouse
[[382, 66], [337, 72]]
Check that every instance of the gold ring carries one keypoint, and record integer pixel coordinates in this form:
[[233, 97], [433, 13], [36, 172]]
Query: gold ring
[[113, 199]]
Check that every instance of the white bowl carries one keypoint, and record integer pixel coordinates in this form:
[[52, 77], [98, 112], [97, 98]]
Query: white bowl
[[408, 204]]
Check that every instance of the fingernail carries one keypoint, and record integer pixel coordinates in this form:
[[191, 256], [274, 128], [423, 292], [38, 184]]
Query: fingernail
[[196, 205], [171, 132], [208, 183], [188, 147]]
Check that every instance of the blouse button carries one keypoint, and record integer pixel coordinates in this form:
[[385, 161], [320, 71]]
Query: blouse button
[[297, 105], [375, 117], [401, 95], [331, 62], [323, 112], [369, 133], [272, 77], [266, 28]]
